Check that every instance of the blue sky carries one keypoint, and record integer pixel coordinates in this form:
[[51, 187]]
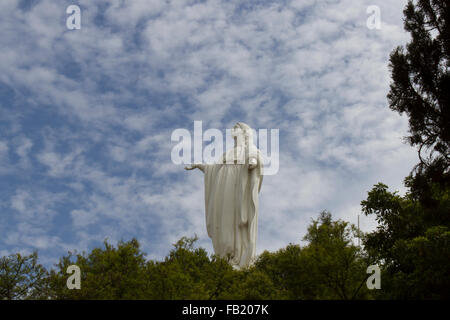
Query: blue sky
[[86, 115]]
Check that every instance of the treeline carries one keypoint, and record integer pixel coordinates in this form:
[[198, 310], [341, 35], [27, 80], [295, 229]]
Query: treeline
[[330, 266], [411, 251]]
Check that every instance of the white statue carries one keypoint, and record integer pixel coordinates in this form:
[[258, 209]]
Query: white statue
[[231, 198]]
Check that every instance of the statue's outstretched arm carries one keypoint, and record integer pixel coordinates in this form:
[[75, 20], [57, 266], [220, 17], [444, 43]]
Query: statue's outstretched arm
[[196, 166]]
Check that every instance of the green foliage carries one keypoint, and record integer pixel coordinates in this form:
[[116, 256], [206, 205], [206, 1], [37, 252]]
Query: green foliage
[[421, 79], [251, 284], [338, 263], [421, 88], [330, 267], [21, 277], [412, 237], [109, 273], [410, 243], [287, 269], [188, 273]]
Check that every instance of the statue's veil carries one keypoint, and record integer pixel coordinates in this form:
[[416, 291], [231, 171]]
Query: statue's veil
[[246, 148]]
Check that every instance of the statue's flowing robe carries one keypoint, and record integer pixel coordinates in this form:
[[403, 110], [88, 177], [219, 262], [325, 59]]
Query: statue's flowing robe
[[231, 202]]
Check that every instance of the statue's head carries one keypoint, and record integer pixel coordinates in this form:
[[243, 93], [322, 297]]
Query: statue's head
[[243, 137], [243, 130]]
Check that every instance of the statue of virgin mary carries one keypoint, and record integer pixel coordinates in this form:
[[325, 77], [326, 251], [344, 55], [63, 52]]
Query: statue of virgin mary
[[231, 198]]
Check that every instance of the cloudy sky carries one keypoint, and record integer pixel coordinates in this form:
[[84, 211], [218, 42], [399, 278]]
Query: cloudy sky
[[86, 115]]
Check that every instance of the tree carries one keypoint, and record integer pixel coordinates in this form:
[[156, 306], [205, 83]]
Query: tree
[[412, 237], [21, 277], [338, 263], [186, 272], [288, 269], [182, 273], [106, 273], [189, 273], [251, 284], [421, 89], [410, 243], [329, 267]]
